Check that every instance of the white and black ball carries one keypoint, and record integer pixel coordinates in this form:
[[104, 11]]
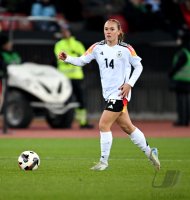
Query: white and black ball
[[28, 160]]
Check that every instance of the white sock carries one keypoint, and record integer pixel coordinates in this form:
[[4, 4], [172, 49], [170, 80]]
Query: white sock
[[105, 144], [137, 137]]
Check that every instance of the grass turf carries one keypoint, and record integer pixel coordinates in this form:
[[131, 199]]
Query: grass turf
[[65, 172]]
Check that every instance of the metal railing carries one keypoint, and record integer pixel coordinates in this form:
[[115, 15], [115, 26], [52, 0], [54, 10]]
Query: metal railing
[[11, 23]]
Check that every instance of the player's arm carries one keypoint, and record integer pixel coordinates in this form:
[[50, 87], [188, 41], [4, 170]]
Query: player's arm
[[135, 61], [87, 57], [138, 68], [78, 61], [126, 87], [72, 60]]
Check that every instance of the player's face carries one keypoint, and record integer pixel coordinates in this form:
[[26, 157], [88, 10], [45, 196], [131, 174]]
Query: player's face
[[111, 32]]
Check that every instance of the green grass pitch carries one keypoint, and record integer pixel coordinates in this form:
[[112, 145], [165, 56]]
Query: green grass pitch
[[65, 172]]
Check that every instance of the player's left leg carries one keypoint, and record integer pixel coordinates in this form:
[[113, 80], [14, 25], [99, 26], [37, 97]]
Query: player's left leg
[[138, 138]]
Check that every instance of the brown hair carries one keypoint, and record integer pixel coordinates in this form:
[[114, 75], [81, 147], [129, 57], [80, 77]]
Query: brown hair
[[121, 35]]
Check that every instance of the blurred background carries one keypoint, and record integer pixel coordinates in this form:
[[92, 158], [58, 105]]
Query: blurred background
[[153, 27]]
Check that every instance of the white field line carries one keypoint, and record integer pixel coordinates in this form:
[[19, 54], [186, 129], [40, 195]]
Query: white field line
[[90, 158]]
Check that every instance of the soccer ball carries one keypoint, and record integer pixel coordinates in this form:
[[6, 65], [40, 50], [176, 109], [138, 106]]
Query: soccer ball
[[28, 160]]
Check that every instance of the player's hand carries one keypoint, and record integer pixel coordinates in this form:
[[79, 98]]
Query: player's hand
[[125, 88], [62, 56]]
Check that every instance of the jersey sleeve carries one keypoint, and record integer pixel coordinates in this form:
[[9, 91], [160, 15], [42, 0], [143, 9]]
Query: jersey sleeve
[[86, 58], [133, 57], [135, 61]]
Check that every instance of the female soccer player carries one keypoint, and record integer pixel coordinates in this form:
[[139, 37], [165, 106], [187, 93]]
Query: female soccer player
[[115, 59]]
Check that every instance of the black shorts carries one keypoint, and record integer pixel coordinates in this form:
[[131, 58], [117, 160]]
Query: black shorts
[[116, 105]]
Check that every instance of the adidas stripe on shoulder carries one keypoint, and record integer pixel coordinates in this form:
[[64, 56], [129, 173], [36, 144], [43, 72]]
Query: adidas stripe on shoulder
[[90, 49], [129, 47]]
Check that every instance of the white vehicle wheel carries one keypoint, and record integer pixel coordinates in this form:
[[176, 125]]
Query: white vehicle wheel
[[19, 112]]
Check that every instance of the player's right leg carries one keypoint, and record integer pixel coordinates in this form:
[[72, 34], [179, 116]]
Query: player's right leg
[[106, 121], [154, 158]]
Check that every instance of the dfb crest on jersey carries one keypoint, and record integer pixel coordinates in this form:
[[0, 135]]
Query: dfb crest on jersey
[[119, 54]]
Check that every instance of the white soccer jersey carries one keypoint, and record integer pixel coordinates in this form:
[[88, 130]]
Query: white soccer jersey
[[115, 66]]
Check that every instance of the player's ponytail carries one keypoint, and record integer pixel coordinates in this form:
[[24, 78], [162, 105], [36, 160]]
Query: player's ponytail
[[121, 35]]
